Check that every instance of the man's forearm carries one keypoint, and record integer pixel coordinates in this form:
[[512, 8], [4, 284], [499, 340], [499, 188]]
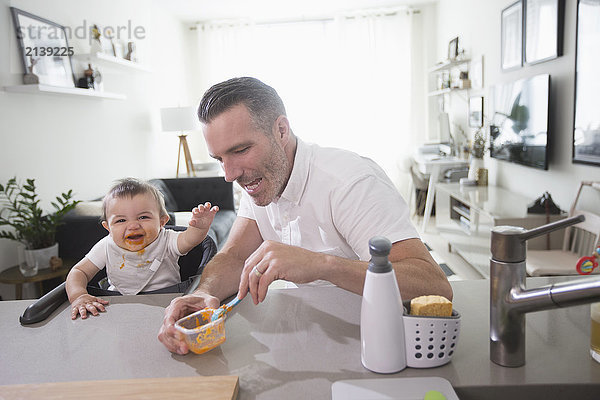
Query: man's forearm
[[221, 276], [345, 273], [416, 277]]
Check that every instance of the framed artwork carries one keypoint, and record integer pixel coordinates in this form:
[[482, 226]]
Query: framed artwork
[[544, 23], [512, 36], [476, 72], [586, 129], [44, 49], [476, 112], [453, 49], [543, 30], [118, 49]]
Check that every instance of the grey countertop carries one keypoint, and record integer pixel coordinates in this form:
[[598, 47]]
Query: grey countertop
[[294, 345]]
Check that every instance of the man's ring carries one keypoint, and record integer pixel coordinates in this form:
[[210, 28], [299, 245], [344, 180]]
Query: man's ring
[[257, 272]]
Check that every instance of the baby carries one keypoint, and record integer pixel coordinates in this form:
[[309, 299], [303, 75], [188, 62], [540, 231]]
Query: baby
[[138, 253]]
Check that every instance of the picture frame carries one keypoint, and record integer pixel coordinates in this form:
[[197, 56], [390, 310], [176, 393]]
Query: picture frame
[[543, 30], [44, 49], [453, 49], [476, 72], [586, 121], [512, 36], [476, 112], [118, 49]]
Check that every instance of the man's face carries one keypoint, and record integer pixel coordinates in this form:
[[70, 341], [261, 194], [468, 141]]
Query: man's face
[[255, 160], [133, 222]]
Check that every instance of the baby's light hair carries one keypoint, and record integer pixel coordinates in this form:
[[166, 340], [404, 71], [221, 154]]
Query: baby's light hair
[[130, 187]]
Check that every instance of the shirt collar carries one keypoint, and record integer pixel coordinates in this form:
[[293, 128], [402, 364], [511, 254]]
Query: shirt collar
[[299, 176]]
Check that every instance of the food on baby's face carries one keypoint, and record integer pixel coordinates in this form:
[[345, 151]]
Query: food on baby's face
[[431, 306]]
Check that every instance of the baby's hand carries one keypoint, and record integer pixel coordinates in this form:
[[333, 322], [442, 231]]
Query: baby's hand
[[87, 303], [203, 215]]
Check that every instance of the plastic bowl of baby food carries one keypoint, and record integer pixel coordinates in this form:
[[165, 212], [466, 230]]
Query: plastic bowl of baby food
[[202, 335]]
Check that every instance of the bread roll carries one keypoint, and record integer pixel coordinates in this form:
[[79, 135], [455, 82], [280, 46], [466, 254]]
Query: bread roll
[[431, 306]]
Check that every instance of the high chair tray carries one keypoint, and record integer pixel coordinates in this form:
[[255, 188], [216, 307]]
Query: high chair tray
[[391, 388]]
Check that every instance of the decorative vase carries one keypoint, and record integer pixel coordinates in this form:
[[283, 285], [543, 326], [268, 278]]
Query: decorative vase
[[482, 177], [475, 164], [32, 260]]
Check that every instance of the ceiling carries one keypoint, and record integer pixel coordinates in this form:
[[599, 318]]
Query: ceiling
[[203, 10]]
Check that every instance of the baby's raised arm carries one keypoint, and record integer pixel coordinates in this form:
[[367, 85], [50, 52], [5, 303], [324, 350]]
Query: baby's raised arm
[[202, 218], [81, 301]]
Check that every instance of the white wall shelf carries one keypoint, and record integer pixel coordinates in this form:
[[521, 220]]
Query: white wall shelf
[[68, 91], [439, 92], [448, 64], [109, 62], [444, 91]]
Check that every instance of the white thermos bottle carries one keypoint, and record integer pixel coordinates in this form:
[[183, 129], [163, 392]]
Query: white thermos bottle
[[381, 322]]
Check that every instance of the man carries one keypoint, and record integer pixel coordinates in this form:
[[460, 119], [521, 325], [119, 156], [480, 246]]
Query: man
[[306, 214]]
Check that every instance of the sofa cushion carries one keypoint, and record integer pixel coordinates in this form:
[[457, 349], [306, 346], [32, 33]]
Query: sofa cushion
[[170, 202], [88, 208], [222, 225], [189, 192], [219, 229]]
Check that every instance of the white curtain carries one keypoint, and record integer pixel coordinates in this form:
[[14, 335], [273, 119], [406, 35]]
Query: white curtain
[[346, 81]]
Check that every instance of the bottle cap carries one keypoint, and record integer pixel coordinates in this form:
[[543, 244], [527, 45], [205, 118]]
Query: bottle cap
[[380, 247]]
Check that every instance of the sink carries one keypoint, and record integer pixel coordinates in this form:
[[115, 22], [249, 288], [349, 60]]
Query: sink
[[527, 392]]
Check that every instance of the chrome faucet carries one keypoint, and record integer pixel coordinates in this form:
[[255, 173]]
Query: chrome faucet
[[510, 300]]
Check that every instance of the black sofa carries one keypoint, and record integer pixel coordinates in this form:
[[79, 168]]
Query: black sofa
[[81, 230]]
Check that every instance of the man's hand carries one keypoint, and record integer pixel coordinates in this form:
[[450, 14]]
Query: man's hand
[[179, 308], [272, 261], [87, 303]]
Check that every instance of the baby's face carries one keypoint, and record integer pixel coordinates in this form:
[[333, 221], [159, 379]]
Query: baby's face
[[134, 222]]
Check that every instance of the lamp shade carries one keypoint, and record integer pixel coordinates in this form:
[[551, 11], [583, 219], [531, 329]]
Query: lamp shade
[[179, 119]]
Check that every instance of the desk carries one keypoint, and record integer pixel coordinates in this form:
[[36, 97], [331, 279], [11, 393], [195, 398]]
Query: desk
[[294, 345], [433, 165], [13, 276], [465, 216]]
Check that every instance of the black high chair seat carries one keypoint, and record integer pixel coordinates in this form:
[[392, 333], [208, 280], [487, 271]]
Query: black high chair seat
[[190, 269]]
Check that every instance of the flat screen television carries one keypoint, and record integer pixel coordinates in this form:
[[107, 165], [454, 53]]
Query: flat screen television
[[520, 125]]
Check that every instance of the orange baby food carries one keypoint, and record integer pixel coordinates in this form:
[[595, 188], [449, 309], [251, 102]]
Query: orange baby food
[[203, 335]]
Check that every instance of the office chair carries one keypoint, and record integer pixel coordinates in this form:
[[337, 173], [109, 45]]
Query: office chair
[[580, 240]]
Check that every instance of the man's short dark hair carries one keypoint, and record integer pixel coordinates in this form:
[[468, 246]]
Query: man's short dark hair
[[262, 101]]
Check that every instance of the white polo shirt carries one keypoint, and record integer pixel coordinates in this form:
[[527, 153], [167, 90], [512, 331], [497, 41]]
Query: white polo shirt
[[334, 202]]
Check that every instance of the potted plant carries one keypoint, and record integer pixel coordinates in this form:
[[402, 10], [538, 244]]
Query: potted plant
[[36, 231]]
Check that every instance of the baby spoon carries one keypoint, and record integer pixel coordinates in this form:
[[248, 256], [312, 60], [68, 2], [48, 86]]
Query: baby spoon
[[224, 309]]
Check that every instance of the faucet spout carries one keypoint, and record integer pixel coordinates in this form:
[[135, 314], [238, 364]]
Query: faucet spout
[[577, 292], [528, 300], [564, 294]]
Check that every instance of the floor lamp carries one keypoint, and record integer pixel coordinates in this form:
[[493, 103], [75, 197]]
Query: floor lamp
[[181, 119]]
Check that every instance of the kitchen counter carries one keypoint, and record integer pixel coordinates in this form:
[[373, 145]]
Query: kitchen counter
[[292, 346]]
